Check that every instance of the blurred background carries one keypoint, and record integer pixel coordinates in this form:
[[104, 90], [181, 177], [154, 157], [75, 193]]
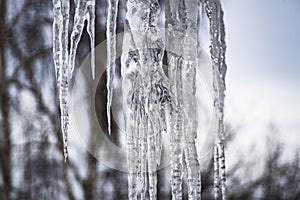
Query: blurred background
[[262, 107]]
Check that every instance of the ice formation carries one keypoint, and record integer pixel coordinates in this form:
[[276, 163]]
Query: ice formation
[[61, 55], [145, 95], [63, 61], [182, 53], [85, 10], [111, 26], [217, 49], [153, 102]]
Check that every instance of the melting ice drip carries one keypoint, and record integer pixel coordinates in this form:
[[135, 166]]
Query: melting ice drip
[[153, 103], [63, 60]]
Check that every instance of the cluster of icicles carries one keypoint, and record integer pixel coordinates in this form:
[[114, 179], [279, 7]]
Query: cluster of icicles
[[153, 102]]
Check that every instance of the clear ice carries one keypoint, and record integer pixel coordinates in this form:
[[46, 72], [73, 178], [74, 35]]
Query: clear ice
[[111, 26], [217, 50], [63, 62], [149, 95], [85, 10], [145, 95], [61, 9], [182, 18]]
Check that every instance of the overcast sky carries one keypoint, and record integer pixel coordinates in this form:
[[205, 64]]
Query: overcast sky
[[263, 57]]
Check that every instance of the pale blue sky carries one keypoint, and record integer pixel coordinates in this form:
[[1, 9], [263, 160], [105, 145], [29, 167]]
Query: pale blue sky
[[263, 80], [264, 36]]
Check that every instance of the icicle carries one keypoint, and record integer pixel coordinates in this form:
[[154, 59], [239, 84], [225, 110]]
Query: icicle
[[61, 10], [64, 67], [218, 49], [112, 10], [190, 55], [182, 19], [85, 10], [176, 118], [157, 82], [143, 60], [64, 71]]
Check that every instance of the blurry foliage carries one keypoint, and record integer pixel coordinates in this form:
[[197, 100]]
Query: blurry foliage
[[31, 162]]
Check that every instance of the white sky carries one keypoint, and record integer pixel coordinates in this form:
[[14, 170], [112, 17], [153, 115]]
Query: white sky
[[263, 80]]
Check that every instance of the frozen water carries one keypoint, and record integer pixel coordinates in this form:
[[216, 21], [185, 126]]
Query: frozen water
[[111, 25], [145, 86], [218, 47], [149, 96], [85, 10], [182, 19], [61, 9], [63, 62]]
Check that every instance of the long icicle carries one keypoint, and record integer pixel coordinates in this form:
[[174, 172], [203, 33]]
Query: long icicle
[[64, 64], [174, 62], [142, 60], [64, 71], [111, 27], [182, 18], [218, 48], [190, 55], [154, 54]]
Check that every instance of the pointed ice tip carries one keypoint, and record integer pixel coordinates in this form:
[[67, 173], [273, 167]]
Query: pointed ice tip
[[93, 68], [93, 74], [109, 128], [65, 156]]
